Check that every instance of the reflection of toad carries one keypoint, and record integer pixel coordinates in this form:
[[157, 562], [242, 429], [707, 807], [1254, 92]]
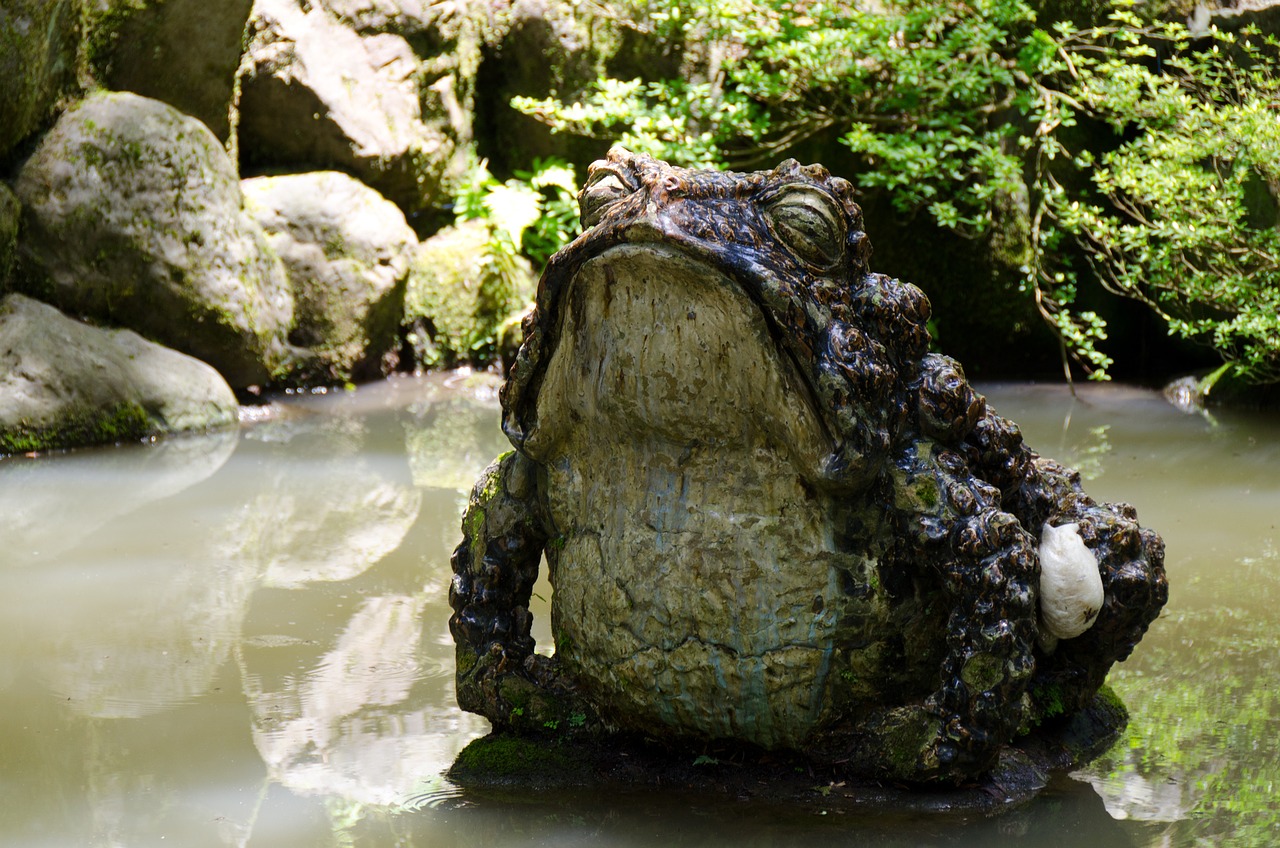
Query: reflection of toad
[[770, 514]]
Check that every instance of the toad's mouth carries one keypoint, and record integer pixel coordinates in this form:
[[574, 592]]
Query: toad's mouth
[[653, 343]]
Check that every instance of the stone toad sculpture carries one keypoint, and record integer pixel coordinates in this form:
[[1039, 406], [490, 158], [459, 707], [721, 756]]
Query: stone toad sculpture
[[769, 513]]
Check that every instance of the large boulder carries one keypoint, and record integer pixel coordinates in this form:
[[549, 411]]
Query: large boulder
[[347, 252], [68, 384], [315, 94], [1232, 16], [462, 287], [184, 52], [133, 214], [38, 41], [448, 40]]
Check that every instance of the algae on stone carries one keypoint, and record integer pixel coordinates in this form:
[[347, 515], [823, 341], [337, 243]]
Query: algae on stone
[[133, 214], [462, 289], [38, 40], [183, 52], [10, 212]]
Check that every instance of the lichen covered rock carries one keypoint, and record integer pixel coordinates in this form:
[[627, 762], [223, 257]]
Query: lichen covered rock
[[346, 250], [67, 384], [461, 291], [133, 215]]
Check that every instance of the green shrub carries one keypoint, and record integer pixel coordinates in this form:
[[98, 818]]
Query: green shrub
[[955, 107]]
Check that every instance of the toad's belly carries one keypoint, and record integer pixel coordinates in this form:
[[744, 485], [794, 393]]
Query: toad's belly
[[698, 595], [697, 583]]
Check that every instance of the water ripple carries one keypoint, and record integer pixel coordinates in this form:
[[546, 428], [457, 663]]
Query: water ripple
[[440, 794]]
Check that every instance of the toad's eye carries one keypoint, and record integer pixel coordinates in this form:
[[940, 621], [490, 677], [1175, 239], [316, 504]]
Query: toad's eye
[[808, 222], [603, 189]]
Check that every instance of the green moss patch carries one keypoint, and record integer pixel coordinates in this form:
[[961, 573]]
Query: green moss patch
[[504, 759], [123, 422]]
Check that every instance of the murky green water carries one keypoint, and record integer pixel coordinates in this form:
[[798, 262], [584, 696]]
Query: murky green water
[[241, 640]]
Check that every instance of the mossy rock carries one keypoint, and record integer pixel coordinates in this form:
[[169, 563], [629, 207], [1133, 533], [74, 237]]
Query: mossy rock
[[70, 384], [10, 211], [346, 250], [508, 761], [183, 52], [38, 40], [132, 215], [462, 289], [505, 759]]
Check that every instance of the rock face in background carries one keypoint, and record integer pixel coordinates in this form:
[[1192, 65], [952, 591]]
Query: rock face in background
[[346, 250], [549, 47], [38, 42], [315, 94], [448, 41], [183, 52], [133, 214], [460, 294], [69, 384], [10, 211], [1235, 15]]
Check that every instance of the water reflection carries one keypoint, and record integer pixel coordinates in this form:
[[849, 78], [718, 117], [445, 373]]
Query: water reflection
[[49, 507], [241, 640]]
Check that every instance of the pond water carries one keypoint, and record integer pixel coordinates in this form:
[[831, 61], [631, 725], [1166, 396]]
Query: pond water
[[241, 640]]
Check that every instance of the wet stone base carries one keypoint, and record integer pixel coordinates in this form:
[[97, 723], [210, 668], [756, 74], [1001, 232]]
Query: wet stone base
[[508, 762]]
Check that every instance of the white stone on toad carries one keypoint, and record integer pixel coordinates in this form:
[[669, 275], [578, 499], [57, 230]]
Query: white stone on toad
[[1070, 585]]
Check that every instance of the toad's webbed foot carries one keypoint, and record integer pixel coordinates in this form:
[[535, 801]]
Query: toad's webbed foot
[[494, 568], [952, 528]]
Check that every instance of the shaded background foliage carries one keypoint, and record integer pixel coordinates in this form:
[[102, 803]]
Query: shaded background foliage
[[1046, 164], [1082, 180]]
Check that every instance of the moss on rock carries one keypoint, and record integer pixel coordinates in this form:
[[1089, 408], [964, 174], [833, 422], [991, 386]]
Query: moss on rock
[[38, 40], [462, 289], [501, 758], [346, 250], [123, 422], [132, 214], [69, 384], [183, 52], [10, 211]]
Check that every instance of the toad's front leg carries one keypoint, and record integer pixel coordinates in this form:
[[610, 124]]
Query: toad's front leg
[[494, 568], [951, 530]]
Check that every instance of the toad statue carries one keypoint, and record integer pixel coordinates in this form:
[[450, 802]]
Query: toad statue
[[769, 513]]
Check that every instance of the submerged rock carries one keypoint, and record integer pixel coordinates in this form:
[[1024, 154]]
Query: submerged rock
[[509, 762], [68, 384], [133, 214], [346, 250]]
